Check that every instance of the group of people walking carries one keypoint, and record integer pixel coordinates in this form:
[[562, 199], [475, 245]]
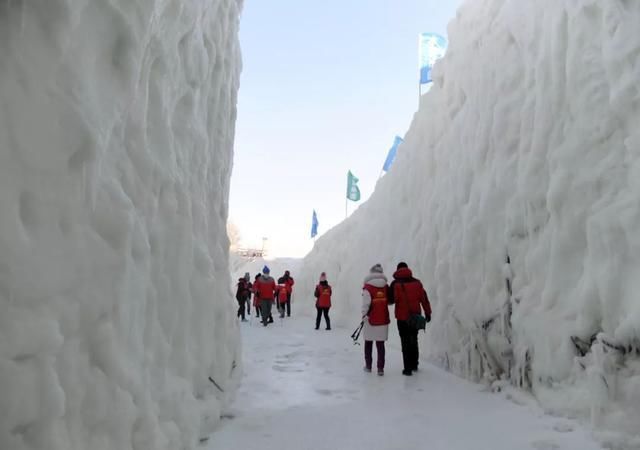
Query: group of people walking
[[408, 296], [265, 292], [406, 293]]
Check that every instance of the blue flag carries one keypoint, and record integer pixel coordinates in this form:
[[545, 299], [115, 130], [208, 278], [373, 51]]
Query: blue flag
[[391, 156], [314, 224], [432, 48]]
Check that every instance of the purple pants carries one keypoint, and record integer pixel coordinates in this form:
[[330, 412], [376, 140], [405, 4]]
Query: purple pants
[[368, 354]]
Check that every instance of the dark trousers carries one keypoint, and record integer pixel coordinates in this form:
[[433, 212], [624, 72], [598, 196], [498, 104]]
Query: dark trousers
[[368, 354], [257, 308], [281, 309], [265, 306], [409, 343], [322, 311], [288, 304], [241, 307]]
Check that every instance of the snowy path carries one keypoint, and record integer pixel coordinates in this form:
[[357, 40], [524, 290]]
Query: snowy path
[[305, 390]]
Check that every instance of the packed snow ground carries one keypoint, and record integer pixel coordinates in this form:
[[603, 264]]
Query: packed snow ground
[[116, 132], [305, 389], [515, 199]]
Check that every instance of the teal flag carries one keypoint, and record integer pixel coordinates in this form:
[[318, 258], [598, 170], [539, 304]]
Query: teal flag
[[353, 191]]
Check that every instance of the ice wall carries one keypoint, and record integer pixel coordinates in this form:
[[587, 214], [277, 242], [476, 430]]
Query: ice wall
[[116, 130], [515, 199]]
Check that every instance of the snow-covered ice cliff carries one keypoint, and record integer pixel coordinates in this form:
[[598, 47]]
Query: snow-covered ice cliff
[[116, 130], [515, 199]]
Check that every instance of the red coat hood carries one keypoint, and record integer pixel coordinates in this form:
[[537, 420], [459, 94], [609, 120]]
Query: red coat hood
[[403, 273]]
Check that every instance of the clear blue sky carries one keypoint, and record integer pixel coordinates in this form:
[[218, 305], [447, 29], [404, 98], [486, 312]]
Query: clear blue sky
[[324, 89]]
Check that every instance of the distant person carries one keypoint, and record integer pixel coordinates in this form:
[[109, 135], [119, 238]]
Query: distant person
[[243, 294], [323, 301], [281, 296], [289, 282], [375, 310], [247, 277], [266, 292], [256, 297], [408, 294]]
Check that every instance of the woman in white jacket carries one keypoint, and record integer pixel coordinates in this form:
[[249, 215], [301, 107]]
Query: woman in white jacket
[[375, 310]]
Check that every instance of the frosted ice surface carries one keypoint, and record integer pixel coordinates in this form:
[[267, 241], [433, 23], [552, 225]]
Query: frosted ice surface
[[526, 147], [116, 130]]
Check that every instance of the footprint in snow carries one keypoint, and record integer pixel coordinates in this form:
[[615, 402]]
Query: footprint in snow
[[545, 445], [327, 392], [563, 427], [286, 369]]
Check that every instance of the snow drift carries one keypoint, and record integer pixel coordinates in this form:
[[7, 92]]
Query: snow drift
[[514, 198], [116, 130]]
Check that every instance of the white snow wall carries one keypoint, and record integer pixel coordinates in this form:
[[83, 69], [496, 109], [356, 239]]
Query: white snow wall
[[526, 146], [116, 129]]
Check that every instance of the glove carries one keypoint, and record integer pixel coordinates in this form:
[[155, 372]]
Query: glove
[[428, 317]]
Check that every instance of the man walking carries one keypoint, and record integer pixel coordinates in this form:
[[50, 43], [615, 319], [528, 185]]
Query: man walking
[[243, 295], [408, 294], [266, 287], [289, 282]]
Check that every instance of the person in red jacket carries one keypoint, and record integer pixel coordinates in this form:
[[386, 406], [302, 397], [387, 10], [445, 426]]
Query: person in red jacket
[[323, 301], [408, 294], [289, 282], [375, 311], [281, 296], [266, 293]]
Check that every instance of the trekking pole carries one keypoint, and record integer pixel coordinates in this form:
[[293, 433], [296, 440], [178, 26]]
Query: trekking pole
[[356, 334]]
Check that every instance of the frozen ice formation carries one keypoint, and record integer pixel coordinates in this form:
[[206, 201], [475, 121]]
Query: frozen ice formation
[[116, 130], [515, 199]]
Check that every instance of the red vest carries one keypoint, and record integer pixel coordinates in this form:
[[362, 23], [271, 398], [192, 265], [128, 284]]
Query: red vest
[[289, 283], [282, 293], [379, 310], [265, 288], [324, 299]]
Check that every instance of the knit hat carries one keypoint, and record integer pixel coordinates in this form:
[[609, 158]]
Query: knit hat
[[265, 270], [402, 265], [323, 276], [376, 269], [247, 276]]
